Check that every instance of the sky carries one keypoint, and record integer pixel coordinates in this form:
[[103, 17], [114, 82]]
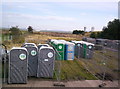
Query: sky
[[58, 16]]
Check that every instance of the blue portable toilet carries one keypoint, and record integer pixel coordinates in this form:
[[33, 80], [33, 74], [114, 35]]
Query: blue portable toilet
[[69, 51]]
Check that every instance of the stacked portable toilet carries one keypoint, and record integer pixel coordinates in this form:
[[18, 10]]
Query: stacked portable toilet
[[18, 65], [32, 58], [46, 58]]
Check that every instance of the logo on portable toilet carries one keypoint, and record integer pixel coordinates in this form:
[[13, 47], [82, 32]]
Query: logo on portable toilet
[[50, 54], [90, 47], [33, 52], [78, 45], [22, 56], [60, 47]]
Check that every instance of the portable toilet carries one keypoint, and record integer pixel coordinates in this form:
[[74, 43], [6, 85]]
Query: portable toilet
[[32, 59], [46, 58], [69, 51], [46, 45], [88, 50], [60, 47], [78, 48], [18, 65]]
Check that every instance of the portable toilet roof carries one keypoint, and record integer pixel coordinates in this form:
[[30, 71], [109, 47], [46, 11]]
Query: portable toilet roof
[[52, 40], [46, 47], [44, 44], [62, 40], [29, 44], [59, 42], [19, 48]]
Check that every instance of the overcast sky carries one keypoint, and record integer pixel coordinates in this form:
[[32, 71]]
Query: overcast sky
[[61, 16]]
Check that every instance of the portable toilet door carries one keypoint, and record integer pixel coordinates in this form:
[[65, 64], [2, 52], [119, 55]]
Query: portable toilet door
[[89, 50], [69, 51], [60, 46], [32, 60], [75, 48], [18, 65], [79, 52], [80, 49], [46, 60], [39, 45]]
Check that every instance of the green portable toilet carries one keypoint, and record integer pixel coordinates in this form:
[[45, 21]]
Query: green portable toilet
[[60, 47]]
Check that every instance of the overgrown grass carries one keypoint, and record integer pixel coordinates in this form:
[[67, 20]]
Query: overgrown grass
[[73, 70]]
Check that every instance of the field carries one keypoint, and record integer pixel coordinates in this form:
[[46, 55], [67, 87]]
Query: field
[[79, 69]]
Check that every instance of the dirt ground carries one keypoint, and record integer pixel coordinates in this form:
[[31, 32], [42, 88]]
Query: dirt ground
[[50, 83]]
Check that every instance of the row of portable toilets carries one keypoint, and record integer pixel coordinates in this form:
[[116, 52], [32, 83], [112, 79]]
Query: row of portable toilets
[[38, 61], [30, 61], [67, 50]]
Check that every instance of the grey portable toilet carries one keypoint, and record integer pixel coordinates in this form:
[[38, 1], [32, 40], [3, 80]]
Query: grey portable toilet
[[78, 49], [40, 45], [32, 59], [46, 58], [88, 51], [18, 65]]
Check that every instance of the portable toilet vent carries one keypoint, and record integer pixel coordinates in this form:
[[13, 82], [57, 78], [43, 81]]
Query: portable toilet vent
[[40, 45], [18, 67], [46, 60], [32, 59], [69, 51]]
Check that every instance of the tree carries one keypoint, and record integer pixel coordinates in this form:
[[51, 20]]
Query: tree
[[93, 35], [112, 31], [30, 29], [78, 32], [16, 35]]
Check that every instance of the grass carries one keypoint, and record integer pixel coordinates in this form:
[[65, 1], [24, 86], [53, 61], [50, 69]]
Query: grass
[[73, 70]]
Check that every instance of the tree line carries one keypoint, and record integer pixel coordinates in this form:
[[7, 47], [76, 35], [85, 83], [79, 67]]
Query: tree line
[[78, 32], [111, 31]]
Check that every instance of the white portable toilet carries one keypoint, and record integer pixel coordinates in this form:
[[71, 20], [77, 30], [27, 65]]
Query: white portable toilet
[[46, 58], [32, 59], [18, 65]]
